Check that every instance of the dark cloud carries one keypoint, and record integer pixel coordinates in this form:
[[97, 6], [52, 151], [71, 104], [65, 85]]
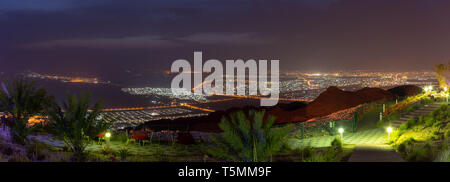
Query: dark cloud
[[105, 35]]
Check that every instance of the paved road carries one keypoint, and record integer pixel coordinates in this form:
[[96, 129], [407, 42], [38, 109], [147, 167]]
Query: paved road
[[375, 153]]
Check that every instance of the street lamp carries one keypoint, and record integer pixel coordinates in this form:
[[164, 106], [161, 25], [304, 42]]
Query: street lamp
[[389, 131], [107, 136], [341, 132]]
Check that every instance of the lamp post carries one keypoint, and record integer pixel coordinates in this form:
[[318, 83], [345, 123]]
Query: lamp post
[[389, 131], [341, 133], [107, 136]]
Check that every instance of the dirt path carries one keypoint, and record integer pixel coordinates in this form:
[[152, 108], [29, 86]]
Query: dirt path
[[375, 153]]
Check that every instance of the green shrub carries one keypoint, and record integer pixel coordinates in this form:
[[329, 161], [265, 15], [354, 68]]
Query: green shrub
[[336, 145], [420, 120], [161, 155], [317, 157], [438, 124], [248, 138], [37, 151], [403, 126], [405, 143], [20, 99], [304, 152], [402, 147], [435, 115], [394, 116], [394, 136], [7, 150], [444, 107], [18, 158], [120, 137], [429, 122], [422, 153], [76, 123], [447, 134], [412, 122], [106, 150], [380, 124], [444, 156], [123, 153], [410, 110], [307, 151], [323, 155]]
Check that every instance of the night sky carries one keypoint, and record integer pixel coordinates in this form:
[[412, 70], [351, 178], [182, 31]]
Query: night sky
[[109, 37]]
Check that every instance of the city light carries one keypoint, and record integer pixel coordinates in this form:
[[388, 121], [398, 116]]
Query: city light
[[107, 134]]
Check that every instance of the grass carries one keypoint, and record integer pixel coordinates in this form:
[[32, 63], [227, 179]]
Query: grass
[[369, 119], [444, 155], [337, 152]]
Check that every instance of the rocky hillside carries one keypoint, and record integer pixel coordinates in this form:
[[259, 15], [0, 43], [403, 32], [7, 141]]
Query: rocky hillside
[[328, 102]]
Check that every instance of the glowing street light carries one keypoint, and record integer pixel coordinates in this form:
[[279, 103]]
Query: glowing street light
[[389, 131], [341, 132], [107, 136], [446, 95], [430, 88]]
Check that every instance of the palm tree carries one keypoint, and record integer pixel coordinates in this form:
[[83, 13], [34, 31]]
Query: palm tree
[[75, 123], [20, 100], [249, 139]]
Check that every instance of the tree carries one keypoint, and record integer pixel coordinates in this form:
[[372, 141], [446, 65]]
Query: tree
[[75, 123], [20, 99], [441, 74], [249, 139]]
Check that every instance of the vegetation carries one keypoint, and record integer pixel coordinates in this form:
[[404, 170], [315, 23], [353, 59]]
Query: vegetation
[[405, 106], [75, 124], [124, 153], [335, 153], [444, 155], [20, 100], [409, 104], [248, 138], [441, 74], [424, 139]]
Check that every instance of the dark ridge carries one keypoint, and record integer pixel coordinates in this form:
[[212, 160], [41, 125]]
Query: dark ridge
[[405, 90], [328, 102]]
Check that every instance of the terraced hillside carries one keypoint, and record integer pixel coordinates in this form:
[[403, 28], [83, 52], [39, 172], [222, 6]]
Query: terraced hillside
[[416, 114]]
